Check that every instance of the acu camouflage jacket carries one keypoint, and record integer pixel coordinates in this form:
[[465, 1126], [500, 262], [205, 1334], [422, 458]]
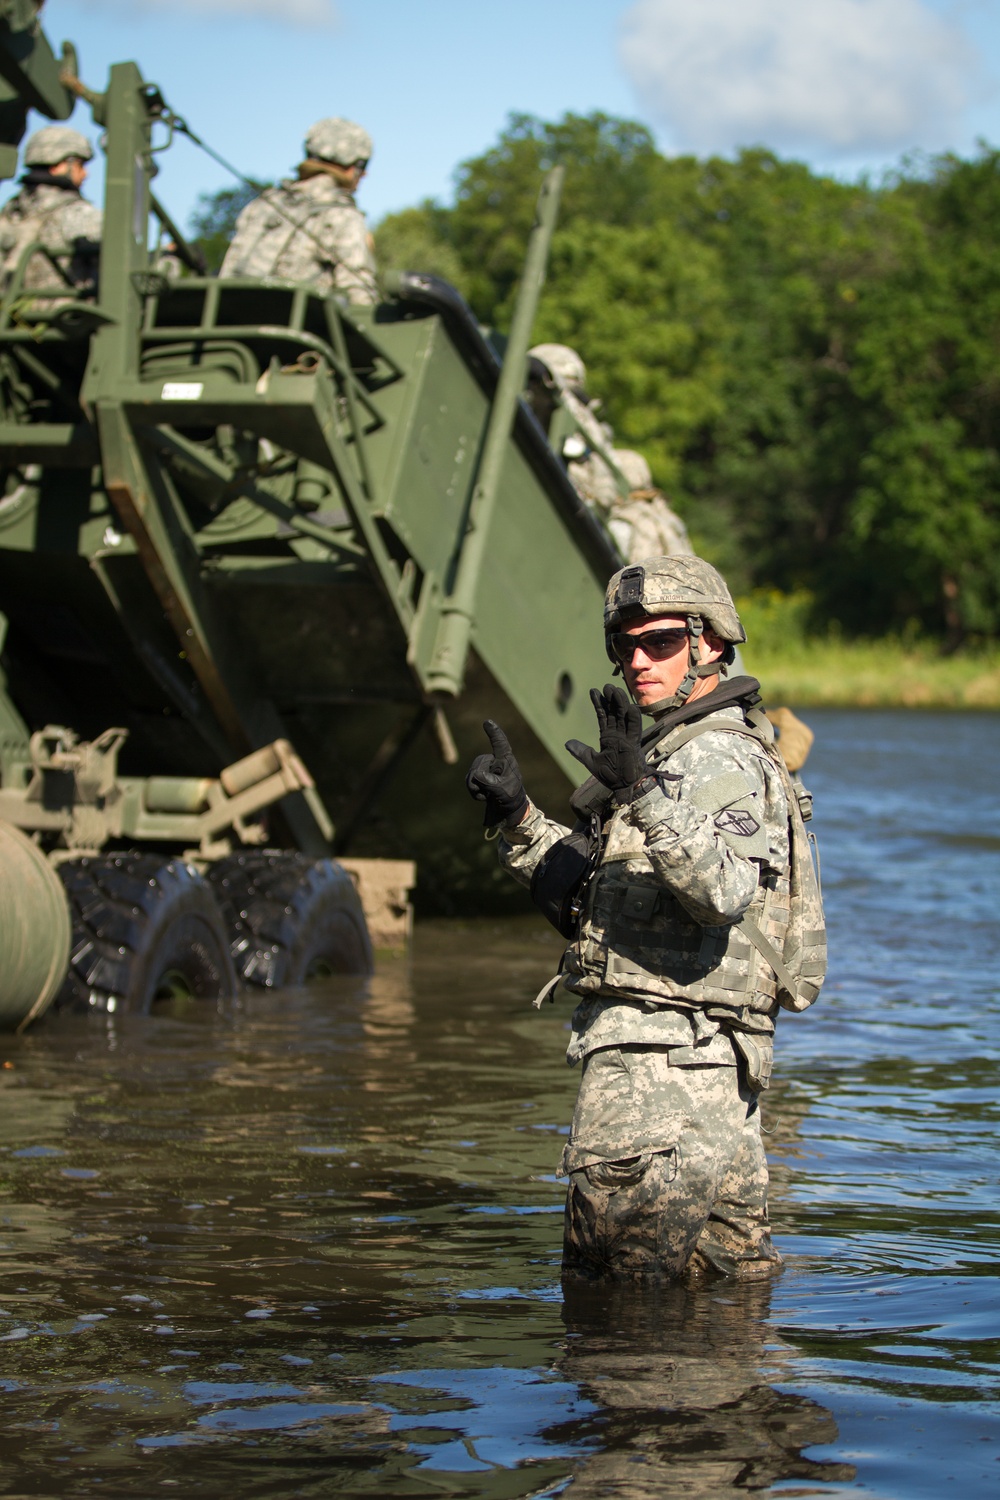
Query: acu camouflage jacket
[[64, 223], [661, 957], [309, 231]]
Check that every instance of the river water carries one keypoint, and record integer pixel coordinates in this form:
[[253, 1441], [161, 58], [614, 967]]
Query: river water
[[310, 1245]]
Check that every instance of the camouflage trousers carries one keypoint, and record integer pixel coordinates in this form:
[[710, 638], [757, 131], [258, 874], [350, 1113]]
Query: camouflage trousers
[[666, 1171]]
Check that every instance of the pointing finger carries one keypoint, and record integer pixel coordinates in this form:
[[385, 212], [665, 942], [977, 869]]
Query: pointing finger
[[499, 742]]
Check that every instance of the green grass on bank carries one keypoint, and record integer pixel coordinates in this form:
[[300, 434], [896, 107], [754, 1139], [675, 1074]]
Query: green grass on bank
[[798, 667]]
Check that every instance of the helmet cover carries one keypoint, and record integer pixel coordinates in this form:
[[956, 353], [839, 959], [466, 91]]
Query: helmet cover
[[563, 362], [672, 586], [55, 143], [339, 141]]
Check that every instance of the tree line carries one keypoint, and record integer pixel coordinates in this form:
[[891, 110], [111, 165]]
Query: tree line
[[812, 367]]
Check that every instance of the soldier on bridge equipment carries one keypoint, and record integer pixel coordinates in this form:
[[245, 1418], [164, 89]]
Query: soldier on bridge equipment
[[50, 210], [644, 525], [688, 892], [311, 230], [585, 451]]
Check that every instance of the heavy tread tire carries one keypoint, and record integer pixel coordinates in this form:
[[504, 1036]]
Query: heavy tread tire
[[145, 928], [291, 918]]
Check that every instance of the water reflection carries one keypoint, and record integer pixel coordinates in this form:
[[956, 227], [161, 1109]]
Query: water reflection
[[688, 1404]]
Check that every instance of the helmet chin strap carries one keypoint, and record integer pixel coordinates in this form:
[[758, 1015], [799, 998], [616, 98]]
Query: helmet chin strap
[[696, 668]]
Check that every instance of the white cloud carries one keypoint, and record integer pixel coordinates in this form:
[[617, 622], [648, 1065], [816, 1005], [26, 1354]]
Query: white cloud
[[310, 13], [833, 76]]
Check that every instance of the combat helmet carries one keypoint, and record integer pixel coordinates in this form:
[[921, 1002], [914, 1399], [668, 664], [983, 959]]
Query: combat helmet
[[55, 143], [687, 586], [339, 141], [563, 362]]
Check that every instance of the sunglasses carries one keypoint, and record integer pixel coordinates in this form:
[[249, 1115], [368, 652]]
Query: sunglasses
[[657, 644]]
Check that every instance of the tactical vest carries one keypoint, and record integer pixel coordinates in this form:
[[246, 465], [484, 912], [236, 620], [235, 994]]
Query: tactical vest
[[25, 224], [291, 214], [637, 939]]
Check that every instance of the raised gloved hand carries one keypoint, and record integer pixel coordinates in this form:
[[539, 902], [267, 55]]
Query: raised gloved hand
[[496, 780], [620, 762]]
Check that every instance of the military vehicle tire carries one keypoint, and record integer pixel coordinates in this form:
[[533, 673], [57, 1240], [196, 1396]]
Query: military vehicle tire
[[292, 919], [145, 929]]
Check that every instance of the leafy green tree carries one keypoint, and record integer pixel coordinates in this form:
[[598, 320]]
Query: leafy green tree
[[416, 240], [810, 366], [611, 167], [213, 222], [645, 305]]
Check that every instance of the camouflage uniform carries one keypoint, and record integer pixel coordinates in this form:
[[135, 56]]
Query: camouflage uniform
[[587, 450], [644, 525], [311, 230], [664, 1156], [590, 474], [677, 1006], [51, 211]]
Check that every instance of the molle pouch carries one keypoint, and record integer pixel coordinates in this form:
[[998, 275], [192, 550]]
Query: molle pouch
[[557, 886], [638, 902], [756, 1053], [591, 797]]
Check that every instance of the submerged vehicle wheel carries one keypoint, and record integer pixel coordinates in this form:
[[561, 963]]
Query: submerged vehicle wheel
[[292, 919], [145, 929]]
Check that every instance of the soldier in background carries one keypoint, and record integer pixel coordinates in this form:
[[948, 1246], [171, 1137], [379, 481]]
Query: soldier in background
[[586, 450], [310, 229], [51, 211], [643, 525]]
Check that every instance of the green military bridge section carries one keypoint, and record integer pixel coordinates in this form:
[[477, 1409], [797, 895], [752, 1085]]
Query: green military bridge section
[[237, 514]]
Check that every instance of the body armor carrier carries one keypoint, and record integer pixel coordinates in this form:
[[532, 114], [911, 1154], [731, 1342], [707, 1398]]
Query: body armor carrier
[[636, 940]]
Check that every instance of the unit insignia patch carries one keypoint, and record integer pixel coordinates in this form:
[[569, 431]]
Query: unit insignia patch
[[736, 820]]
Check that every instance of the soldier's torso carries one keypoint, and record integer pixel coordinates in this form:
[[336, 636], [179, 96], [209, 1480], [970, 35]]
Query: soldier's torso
[[295, 230], [648, 528], [55, 218], [637, 941]]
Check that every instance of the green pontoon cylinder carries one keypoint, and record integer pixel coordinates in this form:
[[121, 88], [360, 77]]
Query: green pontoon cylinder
[[34, 930]]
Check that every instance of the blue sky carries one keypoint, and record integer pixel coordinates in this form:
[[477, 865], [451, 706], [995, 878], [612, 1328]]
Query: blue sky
[[845, 84]]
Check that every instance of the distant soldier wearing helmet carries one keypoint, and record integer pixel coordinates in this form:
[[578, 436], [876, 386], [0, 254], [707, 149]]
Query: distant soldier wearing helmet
[[557, 377], [311, 229], [642, 523], [688, 893], [50, 211]]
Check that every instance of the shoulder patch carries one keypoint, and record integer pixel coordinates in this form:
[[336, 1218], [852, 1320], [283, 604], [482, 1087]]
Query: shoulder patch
[[737, 820]]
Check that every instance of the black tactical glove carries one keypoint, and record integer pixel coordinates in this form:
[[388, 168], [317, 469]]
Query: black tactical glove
[[496, 780], [621, 761]]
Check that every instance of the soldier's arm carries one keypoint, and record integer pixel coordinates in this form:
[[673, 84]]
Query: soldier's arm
[[244, 238], [83, 221], [521, 847], [708, 835]]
